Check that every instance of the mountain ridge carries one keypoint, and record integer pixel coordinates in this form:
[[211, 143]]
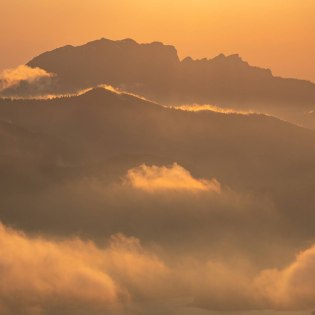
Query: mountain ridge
[[96, 43], [154, 71]]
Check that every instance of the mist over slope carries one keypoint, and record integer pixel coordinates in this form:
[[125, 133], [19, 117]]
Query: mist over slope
[[102, 135], [155, 72], [169, 204]]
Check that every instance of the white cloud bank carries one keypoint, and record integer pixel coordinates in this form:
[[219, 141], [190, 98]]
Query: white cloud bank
[[40, 276]]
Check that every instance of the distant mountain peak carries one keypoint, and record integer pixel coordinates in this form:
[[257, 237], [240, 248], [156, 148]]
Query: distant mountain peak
[[154, 71], [129, 41], [98, 93], [221, 58], [234, 58]]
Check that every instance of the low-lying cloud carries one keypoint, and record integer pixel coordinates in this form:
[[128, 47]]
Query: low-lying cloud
[[164, 205], [294, 286], [42, 276], [212, 108], [24, 81], [14, 76], [163, 178], [188, 238]]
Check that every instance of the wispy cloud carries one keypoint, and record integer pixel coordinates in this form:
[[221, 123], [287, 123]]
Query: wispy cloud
[[174, 177], [213, 108], [12, 77]]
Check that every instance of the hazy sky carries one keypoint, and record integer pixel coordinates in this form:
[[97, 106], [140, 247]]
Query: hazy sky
[[278, 34]]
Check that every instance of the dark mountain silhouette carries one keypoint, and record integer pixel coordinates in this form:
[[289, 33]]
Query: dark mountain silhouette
[[50, 146], [155, 71]]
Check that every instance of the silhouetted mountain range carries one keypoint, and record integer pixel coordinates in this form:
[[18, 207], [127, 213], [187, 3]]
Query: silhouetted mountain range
[[155, 72]]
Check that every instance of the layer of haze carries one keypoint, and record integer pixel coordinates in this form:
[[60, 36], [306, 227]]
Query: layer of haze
[[109, 207], [277, 34]]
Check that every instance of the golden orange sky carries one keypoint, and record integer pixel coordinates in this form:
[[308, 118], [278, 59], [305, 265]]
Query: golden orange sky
[[278, 34]]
